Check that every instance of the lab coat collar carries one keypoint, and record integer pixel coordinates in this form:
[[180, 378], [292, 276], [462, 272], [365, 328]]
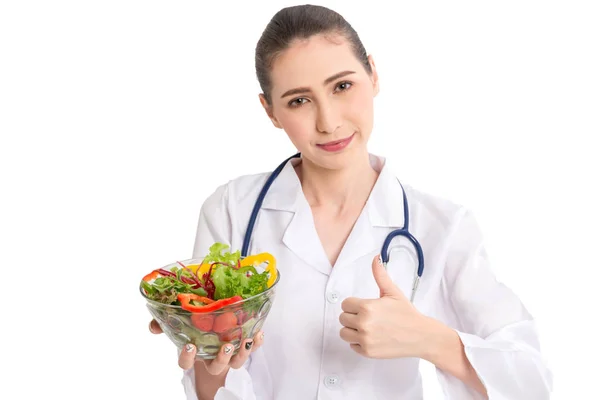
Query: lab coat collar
[[285, 190], [384, 208], [385, 205]]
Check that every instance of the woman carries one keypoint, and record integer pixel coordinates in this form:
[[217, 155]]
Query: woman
[[342, 325]]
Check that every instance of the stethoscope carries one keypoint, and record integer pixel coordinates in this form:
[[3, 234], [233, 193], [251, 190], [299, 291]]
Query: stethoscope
[[384, 250]]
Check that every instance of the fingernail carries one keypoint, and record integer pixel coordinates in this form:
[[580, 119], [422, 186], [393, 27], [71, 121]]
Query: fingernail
[[228, 349], [248, 345], [262, 335], [380, 261], [189, 348]]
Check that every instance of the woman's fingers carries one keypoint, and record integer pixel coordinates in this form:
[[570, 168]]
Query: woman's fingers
[[154, 327], [221, 362], [187, 356], [258, 340], [350, 335], [351, 321], [224, 358], [247, 347], [240, 358]]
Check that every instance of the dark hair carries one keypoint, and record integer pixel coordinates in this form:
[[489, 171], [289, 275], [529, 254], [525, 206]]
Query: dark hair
[[300, 22]]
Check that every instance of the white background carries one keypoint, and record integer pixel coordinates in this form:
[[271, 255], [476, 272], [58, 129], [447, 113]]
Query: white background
[[118, 118]]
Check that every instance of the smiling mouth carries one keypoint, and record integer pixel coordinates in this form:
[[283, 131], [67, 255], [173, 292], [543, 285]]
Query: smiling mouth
[[336, 141]]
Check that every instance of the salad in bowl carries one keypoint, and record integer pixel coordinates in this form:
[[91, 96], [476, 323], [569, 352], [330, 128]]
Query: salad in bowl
[[221, 298]]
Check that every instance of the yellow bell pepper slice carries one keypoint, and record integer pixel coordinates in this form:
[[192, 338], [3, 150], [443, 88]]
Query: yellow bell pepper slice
[[203, 269], [193, 267], [258, 259]]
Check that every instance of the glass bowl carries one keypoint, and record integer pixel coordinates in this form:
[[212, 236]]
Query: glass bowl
[[209, 331]]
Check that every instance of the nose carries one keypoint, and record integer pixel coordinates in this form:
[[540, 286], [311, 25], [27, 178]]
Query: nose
[[329, 118]]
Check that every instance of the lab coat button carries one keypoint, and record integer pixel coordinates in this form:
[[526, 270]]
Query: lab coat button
[[333, 297], [332, 381]]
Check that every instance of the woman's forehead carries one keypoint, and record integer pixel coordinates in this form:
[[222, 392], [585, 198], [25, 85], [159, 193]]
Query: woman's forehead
[[309, 62]]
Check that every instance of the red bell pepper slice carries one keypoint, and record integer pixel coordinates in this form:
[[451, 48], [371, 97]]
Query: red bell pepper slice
[[209, 305], [152, 275], [186, 301]]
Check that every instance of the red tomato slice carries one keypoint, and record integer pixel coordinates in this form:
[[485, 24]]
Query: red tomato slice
[[230, 336], [225, 322], [203, 322]]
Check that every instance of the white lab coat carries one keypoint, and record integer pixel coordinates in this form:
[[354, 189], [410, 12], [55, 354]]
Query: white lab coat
[[303, 356]]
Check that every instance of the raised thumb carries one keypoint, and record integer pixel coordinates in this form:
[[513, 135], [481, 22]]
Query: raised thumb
[[387, 287]]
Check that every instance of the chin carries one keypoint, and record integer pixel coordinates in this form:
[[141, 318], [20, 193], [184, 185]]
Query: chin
[[337, 160]]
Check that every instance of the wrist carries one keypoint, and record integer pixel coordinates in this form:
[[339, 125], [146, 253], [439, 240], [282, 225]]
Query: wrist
[[441, 341], [208, 384], [446, 351]]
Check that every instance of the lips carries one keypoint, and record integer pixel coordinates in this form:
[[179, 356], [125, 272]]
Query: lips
[[335, 142], [336, 145]]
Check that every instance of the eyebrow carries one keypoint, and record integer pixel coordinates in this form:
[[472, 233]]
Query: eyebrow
[[327, 81]]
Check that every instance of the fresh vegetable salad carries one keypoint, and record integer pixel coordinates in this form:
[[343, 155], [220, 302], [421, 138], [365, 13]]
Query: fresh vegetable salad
[[220, 298]]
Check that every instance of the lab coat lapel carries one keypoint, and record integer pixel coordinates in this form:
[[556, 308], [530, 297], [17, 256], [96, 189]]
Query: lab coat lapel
[[384, 209], [360, 242], [300, 237]]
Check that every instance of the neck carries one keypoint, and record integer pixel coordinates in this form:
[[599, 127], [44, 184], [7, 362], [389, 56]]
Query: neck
[[340, 189]]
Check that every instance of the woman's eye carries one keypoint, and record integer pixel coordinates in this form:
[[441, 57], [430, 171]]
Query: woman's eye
[[343, 86], [297, 102]]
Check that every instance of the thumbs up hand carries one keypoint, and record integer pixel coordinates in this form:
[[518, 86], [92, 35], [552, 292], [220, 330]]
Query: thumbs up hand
[[387, 327]]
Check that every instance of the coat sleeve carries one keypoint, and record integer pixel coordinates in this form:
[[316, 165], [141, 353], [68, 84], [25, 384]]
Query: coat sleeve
[[498, 333], [215, 225]]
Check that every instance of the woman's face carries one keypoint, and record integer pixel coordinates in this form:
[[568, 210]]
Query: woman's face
[[322, 97]]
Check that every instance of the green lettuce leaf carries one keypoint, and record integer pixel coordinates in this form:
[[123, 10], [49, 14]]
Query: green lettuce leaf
[[232, 282], [216, 254]]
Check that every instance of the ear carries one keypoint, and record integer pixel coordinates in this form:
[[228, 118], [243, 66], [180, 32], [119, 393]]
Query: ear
[[269, 110], [374, 76]]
